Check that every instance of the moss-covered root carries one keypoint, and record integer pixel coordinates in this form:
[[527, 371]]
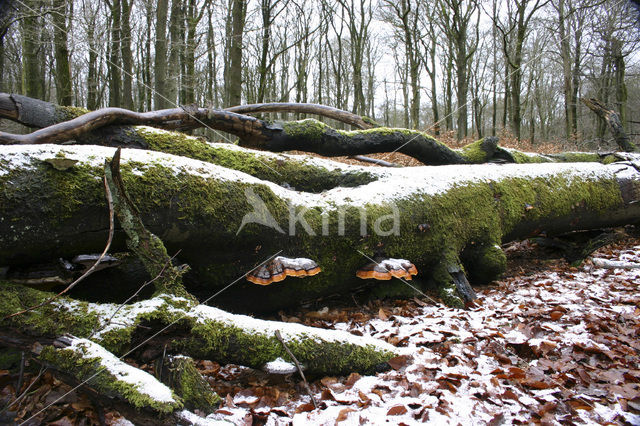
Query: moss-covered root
[[484, 263], [451, 280], [147, 246], [180, 374], [90, 362]]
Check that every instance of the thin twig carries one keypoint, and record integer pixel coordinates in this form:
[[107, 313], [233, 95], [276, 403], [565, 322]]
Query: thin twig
[[90, 270], [306, 384]]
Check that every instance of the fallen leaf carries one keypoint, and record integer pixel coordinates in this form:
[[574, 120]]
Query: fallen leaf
[[397, 410], [399, 361], [382, 315], [344, 413]]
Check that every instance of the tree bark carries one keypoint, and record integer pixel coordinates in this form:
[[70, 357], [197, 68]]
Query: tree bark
[[233, 73], [160, 60], [63, 69]]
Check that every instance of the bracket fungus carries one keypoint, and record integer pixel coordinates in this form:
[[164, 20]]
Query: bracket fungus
[[282, 267], [385, 269]]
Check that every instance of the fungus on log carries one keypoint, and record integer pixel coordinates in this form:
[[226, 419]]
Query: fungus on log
[[282, 267], [385, 269], [198, 207]]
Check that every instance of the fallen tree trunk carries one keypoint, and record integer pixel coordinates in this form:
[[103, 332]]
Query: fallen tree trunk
[[176, 325], [92, 339], [115, 127], [225, 222], [304, 108]]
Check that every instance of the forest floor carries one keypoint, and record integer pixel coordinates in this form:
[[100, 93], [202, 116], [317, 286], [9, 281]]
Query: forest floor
[[549, 343]]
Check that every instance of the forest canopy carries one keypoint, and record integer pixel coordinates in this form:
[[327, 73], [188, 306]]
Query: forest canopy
[[475, 68]]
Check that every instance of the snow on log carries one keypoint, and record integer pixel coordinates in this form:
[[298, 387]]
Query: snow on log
[[103, 371], [435, 216], [199, 331]]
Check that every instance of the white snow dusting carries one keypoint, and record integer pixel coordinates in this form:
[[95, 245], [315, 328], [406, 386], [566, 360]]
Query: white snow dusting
[[144, 382]]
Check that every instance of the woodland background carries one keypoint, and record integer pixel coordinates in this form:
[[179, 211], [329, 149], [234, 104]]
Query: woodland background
[[475, 68]]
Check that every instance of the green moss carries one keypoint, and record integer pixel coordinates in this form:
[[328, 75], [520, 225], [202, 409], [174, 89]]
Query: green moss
[[385, 131], [217, 340], [65, 113], [609, 159], [90, 369], [524, 157], [295, 173], [577, 157], [187, 382], [62, 316], [10, 358], [309, 129], [484, 263], [474, 153], [370, 121]]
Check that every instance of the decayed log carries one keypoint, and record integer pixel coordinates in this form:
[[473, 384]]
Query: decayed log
[[613, 121], [114, 127], [84, 344], [434, 217]]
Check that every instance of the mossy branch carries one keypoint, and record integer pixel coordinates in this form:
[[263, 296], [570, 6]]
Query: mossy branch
[[147, 246]]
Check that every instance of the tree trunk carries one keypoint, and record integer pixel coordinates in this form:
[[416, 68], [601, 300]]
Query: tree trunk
[[32, 75], [115, 63], [63, 69], [233, 75], [160, 61], [613, 120], [127, 56]]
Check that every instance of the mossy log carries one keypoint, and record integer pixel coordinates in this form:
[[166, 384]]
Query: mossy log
[[85, 344], [120, 127], [436, 217], [175, 325]]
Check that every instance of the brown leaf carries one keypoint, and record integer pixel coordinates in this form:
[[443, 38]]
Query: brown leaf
[[399, 361], [63, 421], [352, 379], [634, 403], [397, 410], [556, 315], [509, 394], [327, 395], [303, 408], [497, 420], [344, 413], [328, 381], [382, 315]]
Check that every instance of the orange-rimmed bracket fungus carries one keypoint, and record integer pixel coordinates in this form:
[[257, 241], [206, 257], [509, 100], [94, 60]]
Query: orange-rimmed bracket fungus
[[385, 269], [282, 267]]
